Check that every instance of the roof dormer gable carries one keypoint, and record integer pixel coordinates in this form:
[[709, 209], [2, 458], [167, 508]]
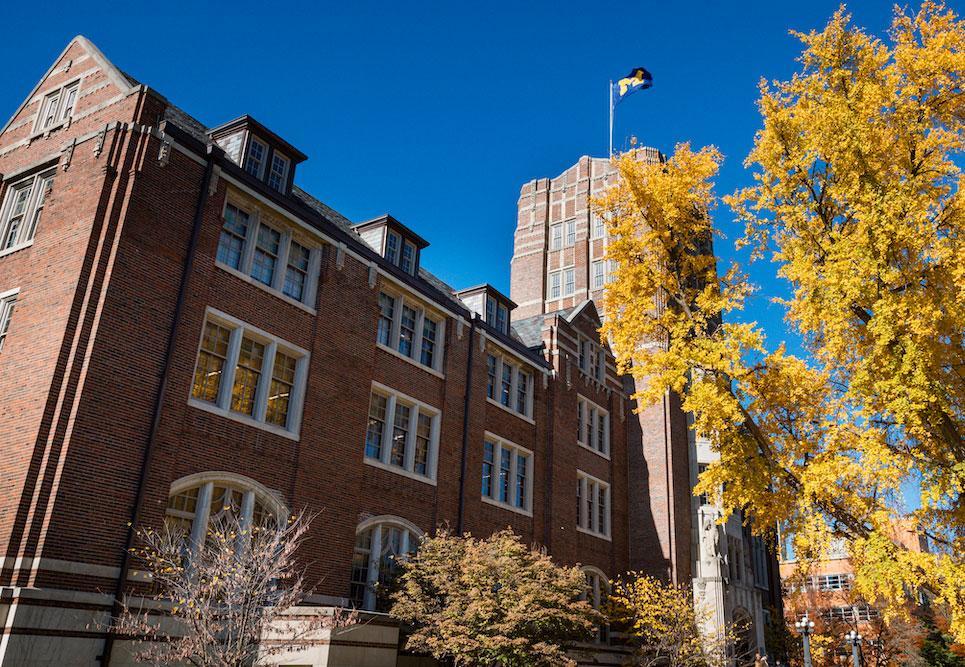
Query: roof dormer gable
[[490, 304], [259, 151], [398, 244]]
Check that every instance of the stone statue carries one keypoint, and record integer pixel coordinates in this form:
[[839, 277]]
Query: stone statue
[[710, 544]]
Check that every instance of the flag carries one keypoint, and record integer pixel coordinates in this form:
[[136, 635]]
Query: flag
[[637, 79]]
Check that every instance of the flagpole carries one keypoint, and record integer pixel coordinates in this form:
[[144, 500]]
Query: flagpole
[[609, 94]]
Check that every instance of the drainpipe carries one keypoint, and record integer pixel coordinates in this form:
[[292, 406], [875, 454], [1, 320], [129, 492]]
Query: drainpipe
[[105, 656], [460, 521]]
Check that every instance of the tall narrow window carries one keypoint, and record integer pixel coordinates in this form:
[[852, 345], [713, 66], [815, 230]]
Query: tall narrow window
[[400, 434], [211, 362], [278, 174], [422, 440], [280, 392], [521, 499], [556, 237], [234, 231], [506, 390], [407, 263], [502, 318], [489, 459], [6, 314], [49, 116], [522, 392], [17, 214], [70, 100], [379, 550], [491, 374], [555, 285], [490, 311], [266, 255], [571, 233], [599, 274], [569, 282], [407, 330], [376, 427], [255, 159], [428, 342], [505, 464], [247, 376], [386, 317], [593, 515], [392, 243], [598, 227], [296, 273]]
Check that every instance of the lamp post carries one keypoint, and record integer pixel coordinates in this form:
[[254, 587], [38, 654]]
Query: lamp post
[[805, 626], [854, 639]]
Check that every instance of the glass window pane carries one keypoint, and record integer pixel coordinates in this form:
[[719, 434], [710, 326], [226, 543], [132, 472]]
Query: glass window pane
[[487, 469], [376, 427], [266, 254], [247, 375], [423, 434], [428, 342], [400, 434], [407, 330], [386, 316], [279, 395], [233, 233], [211, 360], [505, 462], [296, 273]]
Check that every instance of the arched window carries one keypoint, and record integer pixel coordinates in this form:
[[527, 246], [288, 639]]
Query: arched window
[[379, 544], [197, 500], [597, 589]]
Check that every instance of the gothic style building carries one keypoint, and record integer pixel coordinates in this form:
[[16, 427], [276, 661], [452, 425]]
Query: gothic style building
[[183, 330]]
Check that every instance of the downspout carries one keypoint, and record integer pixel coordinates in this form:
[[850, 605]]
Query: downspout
[[105, 657], [464, 464]]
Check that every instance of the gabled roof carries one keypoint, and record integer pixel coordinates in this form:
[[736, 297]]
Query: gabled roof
[[386, 219], [588, 307], [123, 82], [262, 131]]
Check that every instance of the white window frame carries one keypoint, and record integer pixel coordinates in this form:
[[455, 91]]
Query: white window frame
[[592, 356], [500, 444], [60, 119], [422, 313], [557, 278], [252, 139], [598, 273], [375, 524], [556, 236], [569, 231], [568, 273], [417, 407], [597, 227], [205, 483], [590, 415], [281, 265], [283, 185], [222, 404], [8, 300], [517, 369], [597, 588], [35, 200], [591, 524]]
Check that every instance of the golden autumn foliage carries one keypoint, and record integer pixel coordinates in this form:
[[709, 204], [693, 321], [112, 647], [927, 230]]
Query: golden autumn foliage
[[493, 601], [856, 197]]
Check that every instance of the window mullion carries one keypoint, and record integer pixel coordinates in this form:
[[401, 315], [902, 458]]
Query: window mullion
[[417, 338], [396, 323], [284, 247], [375, 557], [251, 240], [264, 387], [514, 389], [410, 438], [511, 499], [201, 510], [389, 438], [231, 363], [433, 446]]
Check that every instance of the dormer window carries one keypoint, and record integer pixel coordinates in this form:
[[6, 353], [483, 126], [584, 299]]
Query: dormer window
[[260, 152], [278, 175], [398, 244], [490, 304], [255, 158]]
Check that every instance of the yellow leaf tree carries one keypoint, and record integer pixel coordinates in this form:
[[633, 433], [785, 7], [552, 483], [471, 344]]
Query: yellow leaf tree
[[856, 197]]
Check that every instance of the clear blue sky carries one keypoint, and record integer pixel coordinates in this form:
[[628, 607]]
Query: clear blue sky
[[438, 112]]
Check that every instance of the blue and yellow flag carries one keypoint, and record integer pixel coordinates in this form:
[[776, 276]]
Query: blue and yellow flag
[[637, 79]]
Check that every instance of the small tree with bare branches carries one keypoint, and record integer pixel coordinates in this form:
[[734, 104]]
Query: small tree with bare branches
[[214, 605]]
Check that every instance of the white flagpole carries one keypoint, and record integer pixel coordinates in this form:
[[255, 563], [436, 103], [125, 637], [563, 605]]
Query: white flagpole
[[609, 95]]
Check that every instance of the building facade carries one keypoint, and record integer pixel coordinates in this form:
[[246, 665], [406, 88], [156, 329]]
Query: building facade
[[183, 330]]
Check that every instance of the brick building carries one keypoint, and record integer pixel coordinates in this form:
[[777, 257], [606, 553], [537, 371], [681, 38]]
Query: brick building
[[183, 328]]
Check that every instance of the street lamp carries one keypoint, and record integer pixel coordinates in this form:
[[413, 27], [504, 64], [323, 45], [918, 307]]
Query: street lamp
[[854, 639], [805, 626]]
